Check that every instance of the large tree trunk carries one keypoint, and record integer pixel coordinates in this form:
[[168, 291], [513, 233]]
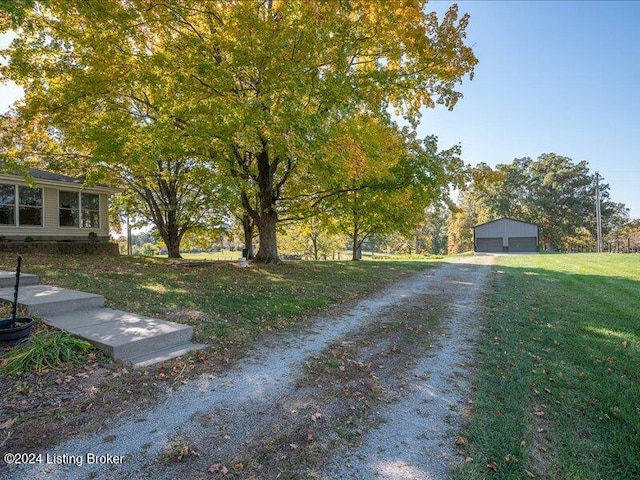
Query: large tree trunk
[[174, 251], [267, 215], [166, 222], [248, 228], [268, 245], [314, 242], [356, 245], [171, 237]]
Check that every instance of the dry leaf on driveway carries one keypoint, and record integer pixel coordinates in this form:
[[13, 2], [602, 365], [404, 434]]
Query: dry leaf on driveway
[[8, 423], [218, 468]]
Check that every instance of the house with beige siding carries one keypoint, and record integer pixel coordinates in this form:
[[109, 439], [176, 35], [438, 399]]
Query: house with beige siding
[[54, 208]]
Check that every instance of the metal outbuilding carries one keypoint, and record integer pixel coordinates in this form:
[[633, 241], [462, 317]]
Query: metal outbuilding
[[506, 235]]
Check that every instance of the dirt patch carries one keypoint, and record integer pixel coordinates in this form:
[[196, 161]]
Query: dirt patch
[[44, 409]]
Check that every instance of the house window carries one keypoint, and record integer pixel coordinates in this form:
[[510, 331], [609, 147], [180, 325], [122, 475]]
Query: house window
[[69, 209], [30, 206], [79, 210], [26, 201], [7, 204], [90, 210]]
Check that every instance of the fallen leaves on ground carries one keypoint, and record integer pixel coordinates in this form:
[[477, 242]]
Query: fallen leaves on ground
[[8, 423], [218, 468], [186, 451], [460, 440]]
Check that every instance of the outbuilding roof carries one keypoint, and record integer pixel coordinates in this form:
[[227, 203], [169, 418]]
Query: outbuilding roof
[[504, 218]]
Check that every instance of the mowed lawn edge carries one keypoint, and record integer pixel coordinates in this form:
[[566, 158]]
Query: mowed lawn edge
[[557, 380]]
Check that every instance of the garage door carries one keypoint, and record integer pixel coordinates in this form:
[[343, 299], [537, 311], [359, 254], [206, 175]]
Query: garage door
[[490, 245], [523, 244]]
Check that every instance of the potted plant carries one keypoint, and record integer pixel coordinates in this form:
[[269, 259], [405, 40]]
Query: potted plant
[[15, 329]]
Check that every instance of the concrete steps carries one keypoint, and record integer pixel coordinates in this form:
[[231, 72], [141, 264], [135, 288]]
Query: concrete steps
[[124, 336], [8, 279], [165, 354], [44, 300]]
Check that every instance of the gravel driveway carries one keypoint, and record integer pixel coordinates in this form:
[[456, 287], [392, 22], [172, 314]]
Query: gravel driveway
[[372, 390]]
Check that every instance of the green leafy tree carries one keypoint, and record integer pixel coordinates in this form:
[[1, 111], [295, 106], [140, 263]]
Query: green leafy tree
[[382, 179], [630, 236], [97, 104], [309, 239], [177, 196], [552, 191], [469, 213], [252, 85], [433, 235], [562, 197], [616, 218], [507, 190]]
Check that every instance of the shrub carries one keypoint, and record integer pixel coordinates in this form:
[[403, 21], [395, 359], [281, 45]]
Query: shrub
[[28, 238], [93, 237]]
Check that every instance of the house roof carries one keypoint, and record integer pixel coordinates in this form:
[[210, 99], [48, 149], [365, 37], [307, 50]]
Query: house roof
[[42, 177], [504, 218]]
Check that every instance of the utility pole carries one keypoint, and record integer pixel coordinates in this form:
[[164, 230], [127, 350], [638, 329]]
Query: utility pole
[[598, 214]]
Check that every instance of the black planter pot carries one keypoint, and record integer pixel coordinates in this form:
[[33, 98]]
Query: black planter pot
[[13, 332]]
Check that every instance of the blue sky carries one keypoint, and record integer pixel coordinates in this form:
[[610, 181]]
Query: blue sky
[[558, 77]]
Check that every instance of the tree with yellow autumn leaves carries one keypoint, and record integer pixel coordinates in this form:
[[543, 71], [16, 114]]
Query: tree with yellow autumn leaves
[[244, 93]]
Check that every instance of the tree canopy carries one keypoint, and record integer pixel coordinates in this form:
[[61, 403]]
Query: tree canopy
[[250, 90], [552, 191]]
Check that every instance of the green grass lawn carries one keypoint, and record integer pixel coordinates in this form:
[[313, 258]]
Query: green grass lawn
[[557, 380], [222, 301], [557, 387]]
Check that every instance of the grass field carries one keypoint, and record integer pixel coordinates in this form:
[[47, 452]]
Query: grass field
[[222, 301], [557, 387]]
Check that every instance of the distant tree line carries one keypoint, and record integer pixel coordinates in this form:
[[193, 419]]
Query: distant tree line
[[551, 191]]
